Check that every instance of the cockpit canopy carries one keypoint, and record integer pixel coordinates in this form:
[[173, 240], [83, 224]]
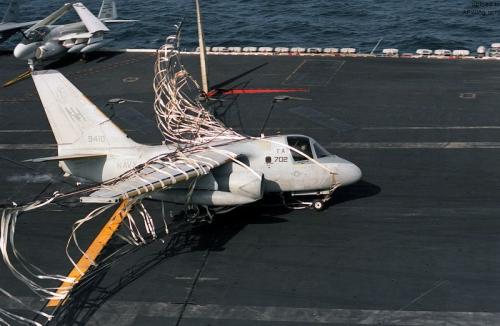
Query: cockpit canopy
[[36, 35], [306, 145]]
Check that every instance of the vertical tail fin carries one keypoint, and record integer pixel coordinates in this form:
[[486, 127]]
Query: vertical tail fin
[[108, 10], [75, 121], [12, 12]]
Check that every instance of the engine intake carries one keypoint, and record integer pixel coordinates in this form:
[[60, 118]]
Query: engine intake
[[48, 50], [245, 184]]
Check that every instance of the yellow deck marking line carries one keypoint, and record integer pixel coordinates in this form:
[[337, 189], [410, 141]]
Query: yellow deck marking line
[[93, 251], [22, 76]]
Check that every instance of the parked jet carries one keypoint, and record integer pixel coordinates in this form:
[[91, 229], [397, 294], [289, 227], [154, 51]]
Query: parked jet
[[47, 41], [91, 146], [9, 26]]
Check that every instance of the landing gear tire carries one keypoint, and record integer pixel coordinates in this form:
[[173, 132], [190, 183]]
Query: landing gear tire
[[318, 205]]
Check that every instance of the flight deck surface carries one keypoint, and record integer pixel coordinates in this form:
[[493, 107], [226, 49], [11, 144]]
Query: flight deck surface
[[414, 243]]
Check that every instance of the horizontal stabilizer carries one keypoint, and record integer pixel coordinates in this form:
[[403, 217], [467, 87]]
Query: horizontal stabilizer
[[65, 158], [108, 10]]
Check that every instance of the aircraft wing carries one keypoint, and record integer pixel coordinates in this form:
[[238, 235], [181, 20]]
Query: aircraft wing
[[159, 175], [52, 18], [91, 22], [5, 27]]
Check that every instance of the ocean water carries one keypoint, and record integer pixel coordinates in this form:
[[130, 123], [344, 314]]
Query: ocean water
[[403, 24]]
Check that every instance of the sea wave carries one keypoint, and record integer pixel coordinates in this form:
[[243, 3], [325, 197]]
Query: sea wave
[[406, 25]]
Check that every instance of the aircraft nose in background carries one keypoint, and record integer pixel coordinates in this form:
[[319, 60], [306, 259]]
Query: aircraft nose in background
[[348, 173], [24, 51]]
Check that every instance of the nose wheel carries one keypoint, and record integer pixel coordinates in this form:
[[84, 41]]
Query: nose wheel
[[318, 204]]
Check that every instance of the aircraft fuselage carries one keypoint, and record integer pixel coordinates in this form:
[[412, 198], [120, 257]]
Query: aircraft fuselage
[[232, 184]]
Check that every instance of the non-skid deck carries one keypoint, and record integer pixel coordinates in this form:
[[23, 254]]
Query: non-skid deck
[[415, 243]]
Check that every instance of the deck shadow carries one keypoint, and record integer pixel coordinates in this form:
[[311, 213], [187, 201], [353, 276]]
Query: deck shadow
[[361, 189], [237, 77], [96, 289], [70, 59]]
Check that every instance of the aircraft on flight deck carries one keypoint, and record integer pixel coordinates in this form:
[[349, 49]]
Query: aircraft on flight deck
[[9, 25], [91, 146], [45, 41]]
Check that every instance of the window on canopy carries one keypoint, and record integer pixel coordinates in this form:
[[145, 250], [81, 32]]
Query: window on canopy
[[302, 144], [37, 35], [320, 151]]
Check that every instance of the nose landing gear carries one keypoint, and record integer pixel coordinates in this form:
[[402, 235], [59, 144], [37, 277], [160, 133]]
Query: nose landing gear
[[318, 204]]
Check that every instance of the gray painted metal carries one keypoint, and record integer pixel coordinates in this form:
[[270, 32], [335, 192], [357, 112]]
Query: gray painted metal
[[45, 40]]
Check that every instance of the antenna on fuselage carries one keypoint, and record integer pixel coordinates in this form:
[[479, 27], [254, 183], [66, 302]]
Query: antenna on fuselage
[[276, 99], [203, 53]]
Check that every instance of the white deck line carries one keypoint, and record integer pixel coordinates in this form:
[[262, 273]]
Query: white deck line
[[434, 128], [125, 313], [414, 145], [24, 130], [313, 128], [128, 50], [27, 146], [330, 146]]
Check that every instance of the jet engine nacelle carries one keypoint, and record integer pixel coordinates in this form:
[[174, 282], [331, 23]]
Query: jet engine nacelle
[[48, 50], [238, 188], [244, 183], [77, 48], [93, 47]]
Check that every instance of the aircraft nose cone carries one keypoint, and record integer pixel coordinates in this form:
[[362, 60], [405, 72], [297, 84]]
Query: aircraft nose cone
[[20, 51], [24, 51], [348, 173]]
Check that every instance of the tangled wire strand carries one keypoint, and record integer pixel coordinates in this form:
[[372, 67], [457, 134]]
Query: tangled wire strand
[[181, 118]]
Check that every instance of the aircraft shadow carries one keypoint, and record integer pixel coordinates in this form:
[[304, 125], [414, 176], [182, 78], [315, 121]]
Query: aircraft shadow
[[227, 110], [237, 77], [100, 56], [70, 59], [361, 189], [95, 289], [225, 106]]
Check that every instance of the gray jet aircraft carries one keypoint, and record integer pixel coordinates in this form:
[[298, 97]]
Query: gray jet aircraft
[[9, 26], [91, 146], [47, 41]]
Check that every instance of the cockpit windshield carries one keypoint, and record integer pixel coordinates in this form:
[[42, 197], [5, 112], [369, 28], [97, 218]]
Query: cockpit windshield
[[36, 35], [302, 144], [320, 151]]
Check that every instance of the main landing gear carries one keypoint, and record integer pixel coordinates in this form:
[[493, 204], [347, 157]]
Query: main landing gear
[[202, 214]]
